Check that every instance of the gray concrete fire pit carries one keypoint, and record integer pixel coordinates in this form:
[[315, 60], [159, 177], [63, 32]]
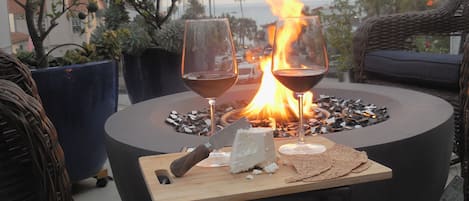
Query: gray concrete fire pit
[[416, 141]]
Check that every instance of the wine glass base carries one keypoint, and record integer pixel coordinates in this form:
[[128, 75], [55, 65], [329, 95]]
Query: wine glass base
[[216, 159], [294, 149]]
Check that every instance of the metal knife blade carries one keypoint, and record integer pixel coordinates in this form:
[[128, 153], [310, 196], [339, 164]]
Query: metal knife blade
[[225, 137], [220, 139]]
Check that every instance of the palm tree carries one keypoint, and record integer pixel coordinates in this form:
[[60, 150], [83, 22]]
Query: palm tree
[[241, 7], [194, 10], [214, 8], [210, 8]]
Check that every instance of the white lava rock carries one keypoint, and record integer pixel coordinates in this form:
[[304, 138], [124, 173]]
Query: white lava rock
[[187, 130], [208, 122], [172, 121], [252, 147], [249, 177], [193, 117]]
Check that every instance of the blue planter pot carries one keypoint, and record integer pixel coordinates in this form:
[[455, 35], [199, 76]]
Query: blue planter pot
[[78, 99], [156, 72]]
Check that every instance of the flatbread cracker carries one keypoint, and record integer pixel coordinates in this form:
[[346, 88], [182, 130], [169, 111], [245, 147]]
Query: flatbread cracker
[[308, 165], [345, 153], [344, 160], [362, 167]]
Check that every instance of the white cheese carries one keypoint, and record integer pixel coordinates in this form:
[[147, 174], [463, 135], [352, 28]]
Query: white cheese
[[252, 147], [256, 172], [249, 177], [271, 168]]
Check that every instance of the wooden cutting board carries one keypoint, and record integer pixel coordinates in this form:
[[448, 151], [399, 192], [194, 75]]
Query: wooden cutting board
[[201, 183]]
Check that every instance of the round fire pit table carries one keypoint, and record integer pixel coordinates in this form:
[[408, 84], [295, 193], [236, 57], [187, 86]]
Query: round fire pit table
[[416, 141]]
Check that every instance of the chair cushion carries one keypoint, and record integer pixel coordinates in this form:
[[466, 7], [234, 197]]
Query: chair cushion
[[435, 69]]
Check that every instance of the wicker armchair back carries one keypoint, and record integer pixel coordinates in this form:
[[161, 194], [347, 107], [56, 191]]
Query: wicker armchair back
[[396, 32], [32, 162], [12, 69]]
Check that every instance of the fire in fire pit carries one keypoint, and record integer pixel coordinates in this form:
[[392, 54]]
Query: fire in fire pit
[[333, 114], [275, 106]]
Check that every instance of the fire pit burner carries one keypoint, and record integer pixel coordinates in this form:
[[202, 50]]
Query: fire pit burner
[[333, 114]]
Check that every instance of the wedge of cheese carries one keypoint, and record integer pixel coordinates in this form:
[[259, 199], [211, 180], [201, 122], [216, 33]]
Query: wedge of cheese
[[252, 147]]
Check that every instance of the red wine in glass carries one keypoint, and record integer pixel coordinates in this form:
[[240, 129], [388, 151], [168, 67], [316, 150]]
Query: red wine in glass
[[209, 68], [299, 79], [209, 84], [299, 62]]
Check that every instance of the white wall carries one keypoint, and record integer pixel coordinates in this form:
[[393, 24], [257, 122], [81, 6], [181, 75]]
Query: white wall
[[63, 33], [5, 41]]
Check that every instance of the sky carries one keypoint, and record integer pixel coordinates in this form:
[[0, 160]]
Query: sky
[[232, 1], [254, 1], [245, 2], [254, 9]]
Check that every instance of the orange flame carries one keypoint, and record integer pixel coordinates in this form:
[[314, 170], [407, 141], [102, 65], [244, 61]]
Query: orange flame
[[272, 99], [430, 3]]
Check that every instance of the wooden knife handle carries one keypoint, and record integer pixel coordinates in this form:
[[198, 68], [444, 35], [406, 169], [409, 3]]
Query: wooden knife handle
[[180, 166]]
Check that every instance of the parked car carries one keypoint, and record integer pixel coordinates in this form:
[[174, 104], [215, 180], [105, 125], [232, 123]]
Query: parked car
[[248, 71]]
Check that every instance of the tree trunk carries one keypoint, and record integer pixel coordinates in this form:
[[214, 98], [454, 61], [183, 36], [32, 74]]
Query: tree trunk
[[241, 6], [242, 38], [38, 42], [213, 5], [40, 54], [210, 7]]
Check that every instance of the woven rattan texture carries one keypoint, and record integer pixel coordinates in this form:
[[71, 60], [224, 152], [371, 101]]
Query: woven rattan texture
[[464, 111], [32, 163], [12, 69], [396, 32]]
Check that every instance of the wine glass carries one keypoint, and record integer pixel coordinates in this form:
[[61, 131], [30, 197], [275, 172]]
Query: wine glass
[[299, 62], [209, 68]]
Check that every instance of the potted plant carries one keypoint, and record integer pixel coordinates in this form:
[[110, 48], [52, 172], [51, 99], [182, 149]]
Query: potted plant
[[152, 47], [339, 32], [152, 51], [153, 70], [78, 98]]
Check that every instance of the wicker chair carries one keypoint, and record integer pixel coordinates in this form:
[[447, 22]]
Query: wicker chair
[[13, 70], [396, 33], [31, 160]]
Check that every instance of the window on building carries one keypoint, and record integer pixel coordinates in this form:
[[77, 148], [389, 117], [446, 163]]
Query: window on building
[[19, 17], [11, 19]]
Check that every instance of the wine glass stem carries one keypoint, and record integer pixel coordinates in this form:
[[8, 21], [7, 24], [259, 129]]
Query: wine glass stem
[[213, 124], [301, 132]]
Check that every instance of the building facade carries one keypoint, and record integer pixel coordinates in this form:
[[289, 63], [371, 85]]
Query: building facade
[[70, 28], [5, 41]]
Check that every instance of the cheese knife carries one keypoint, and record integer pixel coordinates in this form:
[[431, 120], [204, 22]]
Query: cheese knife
[[219, 140]]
